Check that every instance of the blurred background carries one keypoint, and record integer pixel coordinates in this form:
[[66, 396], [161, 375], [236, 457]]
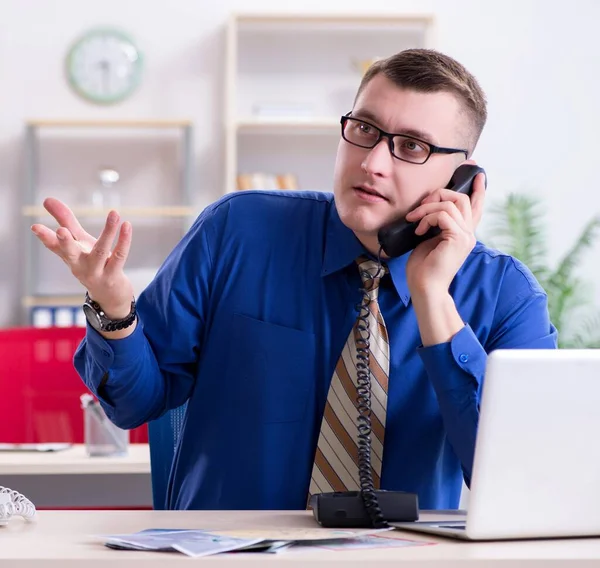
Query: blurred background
[[158, 109], [208, 82]]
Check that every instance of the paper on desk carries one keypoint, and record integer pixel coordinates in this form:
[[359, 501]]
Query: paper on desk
[[356, 543], [299, 534], [197, 543], [194, 543], [47, 447]]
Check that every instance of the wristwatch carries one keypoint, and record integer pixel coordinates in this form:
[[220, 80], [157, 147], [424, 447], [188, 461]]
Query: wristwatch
[[97, 318]]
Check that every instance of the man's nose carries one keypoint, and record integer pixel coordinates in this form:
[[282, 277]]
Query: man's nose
[[379, 160]]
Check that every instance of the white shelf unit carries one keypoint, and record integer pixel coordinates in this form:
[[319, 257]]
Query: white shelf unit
[[307, 63], [62, 158]]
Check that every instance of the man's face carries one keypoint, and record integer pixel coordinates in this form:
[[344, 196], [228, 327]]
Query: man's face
[[372, 187]]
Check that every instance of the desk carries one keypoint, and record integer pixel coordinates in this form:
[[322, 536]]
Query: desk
[[69, 478], [65, 539]]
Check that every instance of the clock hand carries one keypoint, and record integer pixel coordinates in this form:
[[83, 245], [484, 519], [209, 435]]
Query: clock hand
[[104, 66]]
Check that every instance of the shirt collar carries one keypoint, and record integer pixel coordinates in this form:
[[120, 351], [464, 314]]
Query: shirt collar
[[342, 248]]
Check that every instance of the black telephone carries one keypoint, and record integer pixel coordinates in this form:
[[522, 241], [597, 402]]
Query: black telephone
[[398, 237], [372, 507]]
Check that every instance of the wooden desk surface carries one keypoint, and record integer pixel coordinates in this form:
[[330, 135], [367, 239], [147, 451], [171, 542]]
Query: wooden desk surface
[[67, 539], [74, 461]]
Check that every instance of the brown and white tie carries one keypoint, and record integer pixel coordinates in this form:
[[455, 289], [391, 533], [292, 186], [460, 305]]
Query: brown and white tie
[[336, 460]]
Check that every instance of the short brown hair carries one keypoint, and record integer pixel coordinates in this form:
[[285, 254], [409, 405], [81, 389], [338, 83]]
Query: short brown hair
[[429, 71]]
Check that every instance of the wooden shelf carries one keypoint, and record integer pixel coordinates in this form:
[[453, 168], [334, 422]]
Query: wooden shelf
[[331, 20], [54, 300], [329, 51], [175, 211], [164, 214], [72, 123], [259, 124], [75, 460]]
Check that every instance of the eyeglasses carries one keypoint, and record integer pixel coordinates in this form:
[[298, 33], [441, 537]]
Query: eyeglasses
[[406, 148]]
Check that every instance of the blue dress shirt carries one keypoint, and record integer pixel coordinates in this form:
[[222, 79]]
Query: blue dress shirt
[[246, 320]]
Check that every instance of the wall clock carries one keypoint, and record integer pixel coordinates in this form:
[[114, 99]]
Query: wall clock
[[104, 66]]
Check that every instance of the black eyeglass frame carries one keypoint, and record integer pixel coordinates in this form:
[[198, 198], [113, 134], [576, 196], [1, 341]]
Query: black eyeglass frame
[[433, 149]]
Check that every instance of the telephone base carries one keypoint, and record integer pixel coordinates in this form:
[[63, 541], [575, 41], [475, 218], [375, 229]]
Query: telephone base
[[346, 509]]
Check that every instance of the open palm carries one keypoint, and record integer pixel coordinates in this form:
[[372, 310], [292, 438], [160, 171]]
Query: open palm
[[92, 261]]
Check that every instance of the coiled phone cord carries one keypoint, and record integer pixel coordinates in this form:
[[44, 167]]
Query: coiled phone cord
[[363, 391], [17, 505]]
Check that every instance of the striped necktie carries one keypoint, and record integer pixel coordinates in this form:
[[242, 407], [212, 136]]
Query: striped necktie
[[336, 460]]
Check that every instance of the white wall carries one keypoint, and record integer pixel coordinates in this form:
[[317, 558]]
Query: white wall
[[537, 61]]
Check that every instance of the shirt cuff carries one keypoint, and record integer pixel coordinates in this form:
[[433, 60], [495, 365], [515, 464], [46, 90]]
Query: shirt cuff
[[456, 364], [114, 353]]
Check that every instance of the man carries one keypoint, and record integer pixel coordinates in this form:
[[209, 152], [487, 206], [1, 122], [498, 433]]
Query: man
[[247, 318]]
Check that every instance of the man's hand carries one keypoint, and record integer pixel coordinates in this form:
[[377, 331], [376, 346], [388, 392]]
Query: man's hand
[[434, 263], [91, 260]]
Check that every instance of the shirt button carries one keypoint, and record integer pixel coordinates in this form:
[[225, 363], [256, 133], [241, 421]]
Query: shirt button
[[105, 353], [463, 358]]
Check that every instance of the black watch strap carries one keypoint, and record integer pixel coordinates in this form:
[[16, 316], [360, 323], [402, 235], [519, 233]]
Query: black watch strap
[[98, 320]]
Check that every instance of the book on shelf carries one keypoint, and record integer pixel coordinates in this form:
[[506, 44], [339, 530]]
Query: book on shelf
[[57, 316], [259, 180], [283, 109]]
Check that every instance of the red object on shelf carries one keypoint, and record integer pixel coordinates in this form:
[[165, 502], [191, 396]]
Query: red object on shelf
[[40, 388]]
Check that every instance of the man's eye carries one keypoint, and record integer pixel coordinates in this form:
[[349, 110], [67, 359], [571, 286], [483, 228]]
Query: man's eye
[[365, 128], [413, 146]]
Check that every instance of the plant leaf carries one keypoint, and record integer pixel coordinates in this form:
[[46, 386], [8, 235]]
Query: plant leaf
[[586, 335], [518, 231], [564, 298], [573, 256]]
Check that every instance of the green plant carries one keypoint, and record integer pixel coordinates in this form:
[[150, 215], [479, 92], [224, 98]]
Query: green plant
[[517, 229]]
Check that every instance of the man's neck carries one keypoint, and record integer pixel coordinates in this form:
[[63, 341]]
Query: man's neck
[[371, 244]]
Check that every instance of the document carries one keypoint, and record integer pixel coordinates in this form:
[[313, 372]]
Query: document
[[195, 543], [48, 447], [371, 541], [198, 543]]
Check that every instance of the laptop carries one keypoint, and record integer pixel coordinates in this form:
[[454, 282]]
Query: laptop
[[536, 471]]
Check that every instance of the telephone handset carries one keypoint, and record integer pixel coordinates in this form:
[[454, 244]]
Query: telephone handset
[[398, 237]]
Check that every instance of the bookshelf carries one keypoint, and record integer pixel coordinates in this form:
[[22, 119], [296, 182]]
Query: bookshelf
[[63, 159], [80, 212], [288, 80]]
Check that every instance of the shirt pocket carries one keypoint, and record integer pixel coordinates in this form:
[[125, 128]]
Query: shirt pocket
[[270, 370]]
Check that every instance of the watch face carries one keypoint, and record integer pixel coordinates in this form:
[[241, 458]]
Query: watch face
[[92, 317], [104, 66]]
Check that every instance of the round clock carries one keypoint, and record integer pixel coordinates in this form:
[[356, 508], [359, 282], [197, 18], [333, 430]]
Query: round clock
[[104, 66]]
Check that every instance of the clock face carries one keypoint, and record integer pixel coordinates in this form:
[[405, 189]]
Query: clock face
[[104, 66]]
